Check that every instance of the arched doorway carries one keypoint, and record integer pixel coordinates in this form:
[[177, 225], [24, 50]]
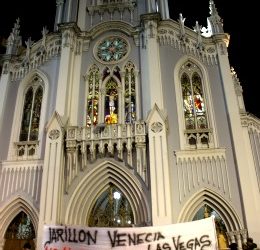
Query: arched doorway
[[20, 233], [205, 212], [85, 199], [111, 209]]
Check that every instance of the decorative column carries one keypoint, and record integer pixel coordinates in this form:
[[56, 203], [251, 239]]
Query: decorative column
[[122, 110], [140, 139], [53, 176], [231, 237], [4, 83], [65, 79], [238, 239], [68, 16], [137, 90], [241, 142], [149, 6], [151, 79], [239, 133], [164, 9], [59, 11], [75, 83], [159, 168], [244, 235]]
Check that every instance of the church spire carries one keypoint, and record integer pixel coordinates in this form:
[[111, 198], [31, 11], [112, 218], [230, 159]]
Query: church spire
[[212, 7], [215, 22], [14, 40]]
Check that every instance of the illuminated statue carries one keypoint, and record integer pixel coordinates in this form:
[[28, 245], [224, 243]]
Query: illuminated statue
[[111, 118]]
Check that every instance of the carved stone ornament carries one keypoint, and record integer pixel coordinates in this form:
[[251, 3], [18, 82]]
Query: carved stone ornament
[[54, 134], [59, 2], [71, 133], [211, 50], [140, 128], [5, 68], [156, 127]]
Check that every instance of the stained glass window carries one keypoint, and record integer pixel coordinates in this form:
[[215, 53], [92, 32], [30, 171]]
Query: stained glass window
[[116, 72], [130, 93], [31, 113], [20, 228], [106, 73], [111, 96], [193, 98], [111, 209], [36, 114], [111, 102], [93, 96], [112, 49]]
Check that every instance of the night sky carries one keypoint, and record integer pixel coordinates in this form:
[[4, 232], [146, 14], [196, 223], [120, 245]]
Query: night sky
[[240, 21]]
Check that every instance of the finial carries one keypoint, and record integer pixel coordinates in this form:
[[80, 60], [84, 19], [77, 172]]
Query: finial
[[181, 19], [215, 23], [14, 41], [44, 34], [28, 43], [234, 76], [212, 7], [182, 29], [197, 28], [16, 28], [59, 2]]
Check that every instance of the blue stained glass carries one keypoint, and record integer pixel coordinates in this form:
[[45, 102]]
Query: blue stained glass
[[112, 49]]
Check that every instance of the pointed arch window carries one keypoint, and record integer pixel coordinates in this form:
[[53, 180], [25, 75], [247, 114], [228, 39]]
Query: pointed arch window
[[20, 232], [112, 209], [32, 112], [193, 98], [130, 93], [111, 102], [197, 132], [111, 78], [93, 96], [111, 95]]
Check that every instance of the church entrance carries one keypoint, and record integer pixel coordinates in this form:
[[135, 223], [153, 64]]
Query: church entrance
[[111, 209], [205, 212], [20, 234]]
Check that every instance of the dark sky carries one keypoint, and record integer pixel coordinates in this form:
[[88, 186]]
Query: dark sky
[[240, 21]]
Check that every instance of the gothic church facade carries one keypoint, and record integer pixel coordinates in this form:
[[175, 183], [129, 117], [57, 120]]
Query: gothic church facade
[[124, 117]]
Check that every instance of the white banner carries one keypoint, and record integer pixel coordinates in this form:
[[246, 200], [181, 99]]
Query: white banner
[[195, 235]]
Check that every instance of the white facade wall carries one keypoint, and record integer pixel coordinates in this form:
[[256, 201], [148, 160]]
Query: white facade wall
[[166, 180]]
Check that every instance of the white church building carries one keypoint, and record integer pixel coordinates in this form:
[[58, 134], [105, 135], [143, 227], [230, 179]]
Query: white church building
[[123, 117]]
